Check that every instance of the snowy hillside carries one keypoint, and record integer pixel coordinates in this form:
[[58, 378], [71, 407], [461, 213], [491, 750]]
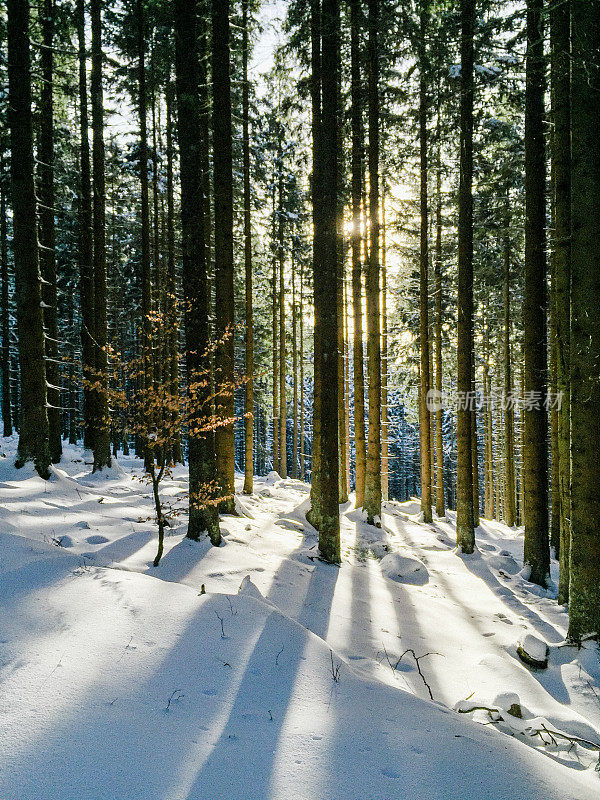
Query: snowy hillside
[[121, 681]]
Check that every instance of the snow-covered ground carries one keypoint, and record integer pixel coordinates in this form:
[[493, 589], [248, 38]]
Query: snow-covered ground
[[121, 681]]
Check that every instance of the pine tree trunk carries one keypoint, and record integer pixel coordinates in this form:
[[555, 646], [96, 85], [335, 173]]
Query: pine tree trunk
[[475, 448], [440, 508], [316, 190], [342, 474], [326, 520], [249, 395], [203, 516], [356, 242], [282, 344], [385, 460], [509, 424], [537, 551], [275, 347], [223, 200], [372, 503], [464, 468], [85, 251], [584, 592], [294, 365], [560, 20], [171, 288], [101, 437], [46, 230], [424, 421], [33, 433], [145, 256], [6, 402], [301, 378]]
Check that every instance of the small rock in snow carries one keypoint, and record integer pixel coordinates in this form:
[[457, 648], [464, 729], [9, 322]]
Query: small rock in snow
[[533, 651]]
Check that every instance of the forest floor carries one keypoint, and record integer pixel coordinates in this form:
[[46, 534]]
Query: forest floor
[[122, 681]]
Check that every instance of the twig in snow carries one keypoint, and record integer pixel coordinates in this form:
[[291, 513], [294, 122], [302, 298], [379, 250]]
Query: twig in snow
[[233, 613], [278, 654], [417, 659], [222, 621], [176, 694], [335, 669]]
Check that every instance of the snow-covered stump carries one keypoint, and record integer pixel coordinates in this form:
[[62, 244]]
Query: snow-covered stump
[[533, 651]]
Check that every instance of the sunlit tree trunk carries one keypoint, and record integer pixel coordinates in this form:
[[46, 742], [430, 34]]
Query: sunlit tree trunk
[[372, 502], [356, 242]]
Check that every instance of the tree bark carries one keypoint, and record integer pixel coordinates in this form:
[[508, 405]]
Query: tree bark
[[584, 592], [424, 420], [33, 434], [203, 516], [537, 550], [223, 200], [101, 438], [356, 243], [249, 395], [509, 512], [7, 424], [326, 520], [372, 503], [560, 21], [464, 469], [440, 508], [47, 232]]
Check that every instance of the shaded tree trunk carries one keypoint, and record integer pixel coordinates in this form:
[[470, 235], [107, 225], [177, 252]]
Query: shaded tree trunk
[[47, 231], [203, 512], [6, 402], [101, 438], [326, 519], [33, 433], [424, 421], [85, 250], [249, 395], [584, 592], [535, 477], [464, 468], [560, 20], [509, 512], [223, 201], [440, 509]]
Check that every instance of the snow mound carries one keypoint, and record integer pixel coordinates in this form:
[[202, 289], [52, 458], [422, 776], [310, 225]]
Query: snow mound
[[404, 569], [533, 651]]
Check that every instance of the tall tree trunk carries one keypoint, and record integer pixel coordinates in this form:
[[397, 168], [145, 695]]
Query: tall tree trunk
[[537, 551], [203, 514], [282, 344], [464, 468], [294, 366], [171, 288], [356, 242], [560, 20], [584, 592], [509, 422], [385, 460], [6, 402], [47, 232], [372, 503], [33, 433], [249, 396], [145, 256], [85, 252], [327, 519], [440, 509], [275, 347], [316, 191], [301, 378], [101, 438], [223, 200], [424, 421], [475, 447]]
